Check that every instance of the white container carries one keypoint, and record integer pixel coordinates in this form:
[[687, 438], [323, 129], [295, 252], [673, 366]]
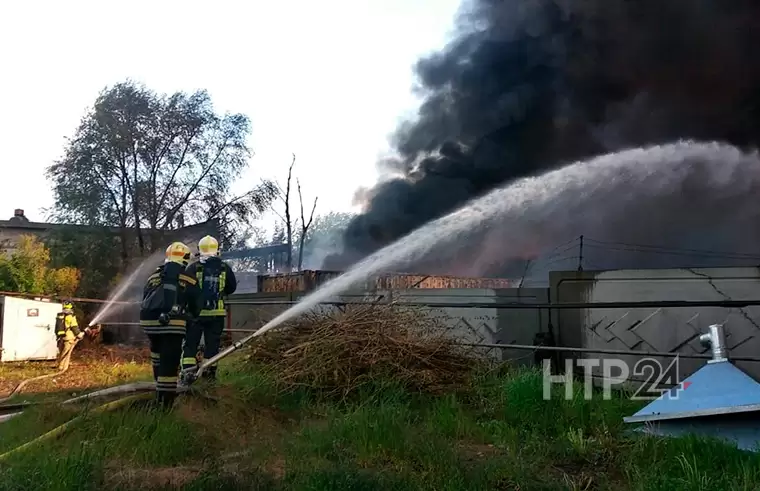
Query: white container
[[27, 329]]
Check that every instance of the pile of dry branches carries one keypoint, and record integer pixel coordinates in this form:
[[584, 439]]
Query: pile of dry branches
[[337, 351]]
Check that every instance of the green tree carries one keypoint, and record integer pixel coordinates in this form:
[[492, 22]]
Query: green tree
[[63, 282], [28, 270], [141, 160], [94, 254]]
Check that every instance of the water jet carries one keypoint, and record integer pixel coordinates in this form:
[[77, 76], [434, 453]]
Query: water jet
[[560, 200]]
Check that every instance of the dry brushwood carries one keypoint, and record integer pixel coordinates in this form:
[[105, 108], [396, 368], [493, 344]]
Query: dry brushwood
[[337, 351]]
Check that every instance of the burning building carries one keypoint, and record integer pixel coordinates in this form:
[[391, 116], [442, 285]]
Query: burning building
[[306, 281]]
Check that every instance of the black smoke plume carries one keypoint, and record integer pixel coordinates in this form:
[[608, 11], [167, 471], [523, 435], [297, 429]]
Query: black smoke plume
[[528, 85]]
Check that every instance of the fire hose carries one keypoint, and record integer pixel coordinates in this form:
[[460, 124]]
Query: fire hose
[[59, 430], [23, 383], [190, 375], [16, 390], [143, 389]]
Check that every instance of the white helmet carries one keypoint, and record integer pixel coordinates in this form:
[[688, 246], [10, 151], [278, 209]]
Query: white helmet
[[208, 246]]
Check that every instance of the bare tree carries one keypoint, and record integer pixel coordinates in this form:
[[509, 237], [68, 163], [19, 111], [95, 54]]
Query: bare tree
[[284, 195], [304, 224]]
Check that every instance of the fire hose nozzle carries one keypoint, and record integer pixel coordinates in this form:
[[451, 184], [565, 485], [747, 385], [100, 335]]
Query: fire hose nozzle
[[189, 375]]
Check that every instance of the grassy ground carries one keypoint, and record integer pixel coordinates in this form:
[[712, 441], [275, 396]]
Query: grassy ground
[[91, 367], [500, 434]]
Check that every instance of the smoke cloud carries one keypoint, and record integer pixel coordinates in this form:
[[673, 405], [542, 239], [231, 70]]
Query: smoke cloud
[[527, 86]]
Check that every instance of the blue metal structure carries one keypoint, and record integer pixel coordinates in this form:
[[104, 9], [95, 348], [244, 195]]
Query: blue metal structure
[[718, 400]]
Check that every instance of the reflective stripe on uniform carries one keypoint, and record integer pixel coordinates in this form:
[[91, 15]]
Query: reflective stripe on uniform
[[166, 384], [189, 361], [188, 279], [172, 322], [164, 330], [213, 313], [175, 326]]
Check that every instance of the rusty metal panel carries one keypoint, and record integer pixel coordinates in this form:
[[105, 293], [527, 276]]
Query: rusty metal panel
[[408, 281], [281, 283], [308, 280]]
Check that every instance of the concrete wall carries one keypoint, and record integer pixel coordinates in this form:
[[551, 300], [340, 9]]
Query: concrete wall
[[476, 325], [673, 330]]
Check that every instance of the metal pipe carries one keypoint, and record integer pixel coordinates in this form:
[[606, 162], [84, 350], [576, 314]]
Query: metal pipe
[[716, 341], [137, 324], [602, 351], [53, 297], [531, 347], [190, 374], [514, 305]]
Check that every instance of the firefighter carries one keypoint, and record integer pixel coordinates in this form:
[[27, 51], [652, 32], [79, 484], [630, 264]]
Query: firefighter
[[216, 280], [170, 298], [67, 334]]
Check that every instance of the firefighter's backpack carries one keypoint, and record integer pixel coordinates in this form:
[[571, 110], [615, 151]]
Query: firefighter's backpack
[[60, 324], [210, 277], [157, 298]]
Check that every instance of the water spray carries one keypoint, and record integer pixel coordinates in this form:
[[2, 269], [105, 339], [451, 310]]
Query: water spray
[[553, 198], [150, 262]]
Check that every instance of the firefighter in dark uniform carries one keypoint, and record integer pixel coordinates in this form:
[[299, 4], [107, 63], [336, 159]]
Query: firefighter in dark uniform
[[170, 299], [216, 280]]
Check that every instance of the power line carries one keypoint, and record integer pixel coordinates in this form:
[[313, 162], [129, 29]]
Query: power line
[[684, 251], [670, 253]]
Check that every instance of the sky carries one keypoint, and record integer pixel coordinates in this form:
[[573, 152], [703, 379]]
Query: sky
[[326, 80]]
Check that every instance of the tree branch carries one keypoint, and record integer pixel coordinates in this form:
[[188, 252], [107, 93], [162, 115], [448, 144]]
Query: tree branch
[[170, 214], [176, 169], [288, 224], [304, 224], [155, 166]]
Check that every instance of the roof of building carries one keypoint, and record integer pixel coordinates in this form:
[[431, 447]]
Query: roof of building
[[21, 222]]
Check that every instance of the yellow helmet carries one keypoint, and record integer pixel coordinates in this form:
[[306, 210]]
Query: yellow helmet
[[178, 253], [68, 306], [208, 246]]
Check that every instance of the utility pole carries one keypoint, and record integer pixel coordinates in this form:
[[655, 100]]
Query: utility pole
[[580, 254]]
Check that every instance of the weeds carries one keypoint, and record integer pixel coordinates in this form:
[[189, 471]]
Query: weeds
[[497, 434]]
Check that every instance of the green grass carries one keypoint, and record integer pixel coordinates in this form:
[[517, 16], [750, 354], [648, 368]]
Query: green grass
[[86, 375], [501, 434]]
